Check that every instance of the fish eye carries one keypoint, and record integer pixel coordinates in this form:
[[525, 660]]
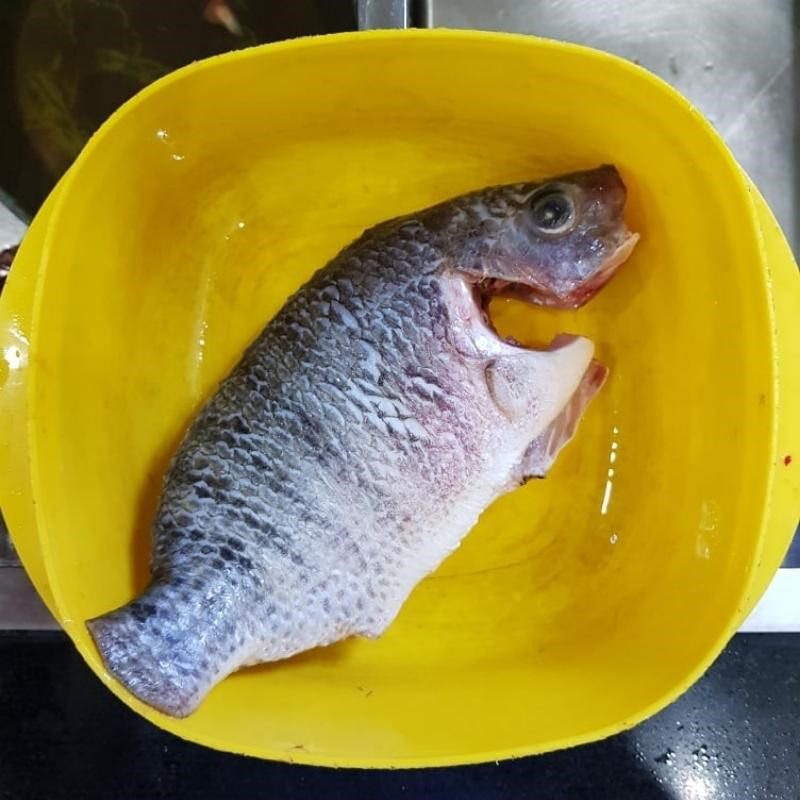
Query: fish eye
[[552, 210]]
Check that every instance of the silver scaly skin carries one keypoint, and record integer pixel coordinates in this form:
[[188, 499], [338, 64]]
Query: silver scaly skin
[[363, 433]]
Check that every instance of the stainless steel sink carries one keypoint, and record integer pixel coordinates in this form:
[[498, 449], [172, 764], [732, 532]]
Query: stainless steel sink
[[733, 58]]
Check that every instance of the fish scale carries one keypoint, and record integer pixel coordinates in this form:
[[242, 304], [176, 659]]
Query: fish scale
[[361, 435]]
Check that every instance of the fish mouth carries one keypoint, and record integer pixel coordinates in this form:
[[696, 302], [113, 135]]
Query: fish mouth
[[586, 291], [577, 296]]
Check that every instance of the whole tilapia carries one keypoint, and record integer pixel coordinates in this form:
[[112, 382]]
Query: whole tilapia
[[363, 433]]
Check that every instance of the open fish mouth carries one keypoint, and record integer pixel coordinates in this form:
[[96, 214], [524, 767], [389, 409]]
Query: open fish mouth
[[534, 293]]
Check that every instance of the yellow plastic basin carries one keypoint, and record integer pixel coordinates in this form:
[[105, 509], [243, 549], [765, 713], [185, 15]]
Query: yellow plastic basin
[[580, 604]]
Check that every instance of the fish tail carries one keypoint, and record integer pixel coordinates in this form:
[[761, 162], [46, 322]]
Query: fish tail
[[158, 649]]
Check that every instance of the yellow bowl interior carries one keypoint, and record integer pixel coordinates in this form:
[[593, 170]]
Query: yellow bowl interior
[[580, 603]]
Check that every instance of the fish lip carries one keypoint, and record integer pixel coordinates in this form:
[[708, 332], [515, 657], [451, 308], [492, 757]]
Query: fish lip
[[587, 290], [576, 297]]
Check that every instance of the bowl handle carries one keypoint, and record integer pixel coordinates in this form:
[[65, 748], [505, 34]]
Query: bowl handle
[[783, 507]]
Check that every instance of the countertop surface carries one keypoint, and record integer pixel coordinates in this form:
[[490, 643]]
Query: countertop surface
[[735, 734]]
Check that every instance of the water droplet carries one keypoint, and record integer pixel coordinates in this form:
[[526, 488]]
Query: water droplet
[[666, 757], [606, 497], [708, 66], [177, 157], [614, 538], [162, 135], [709, 516], [14, 357], [700, 755]]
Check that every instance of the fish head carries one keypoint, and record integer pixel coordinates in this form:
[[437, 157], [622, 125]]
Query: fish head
[[554, 243]]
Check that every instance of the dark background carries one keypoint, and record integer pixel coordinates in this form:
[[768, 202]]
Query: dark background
[[66, 65]]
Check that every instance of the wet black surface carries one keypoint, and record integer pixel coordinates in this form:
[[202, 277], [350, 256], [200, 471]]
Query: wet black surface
[[736, 734]]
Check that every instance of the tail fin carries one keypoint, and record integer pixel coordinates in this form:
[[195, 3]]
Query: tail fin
[[166, 650]]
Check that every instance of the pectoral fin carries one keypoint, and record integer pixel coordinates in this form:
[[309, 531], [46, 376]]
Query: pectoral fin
[[544, 449], [534, 385]]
